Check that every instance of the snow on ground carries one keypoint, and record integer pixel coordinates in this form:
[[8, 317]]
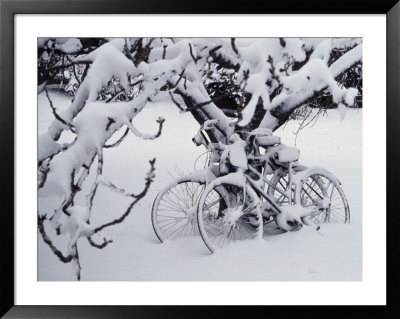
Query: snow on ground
[[333, 253]]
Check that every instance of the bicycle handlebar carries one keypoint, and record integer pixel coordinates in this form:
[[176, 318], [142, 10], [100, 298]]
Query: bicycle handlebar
[[209, 124], [200, 138]]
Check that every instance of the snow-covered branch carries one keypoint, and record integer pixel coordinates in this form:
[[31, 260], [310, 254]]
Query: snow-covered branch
[[346, 61], [144, 136], [149, 179], [47, 240], [77, 223], [314, 77], [58, 117]]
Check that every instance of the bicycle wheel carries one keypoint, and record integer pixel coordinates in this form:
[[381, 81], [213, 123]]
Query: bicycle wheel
[[174, 209], [279, 184], [319, 189], [322, 189], [277, 190], [226, 213]]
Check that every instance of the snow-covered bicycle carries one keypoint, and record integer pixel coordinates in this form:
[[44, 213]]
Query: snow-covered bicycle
[[253, 181], [175, 207]]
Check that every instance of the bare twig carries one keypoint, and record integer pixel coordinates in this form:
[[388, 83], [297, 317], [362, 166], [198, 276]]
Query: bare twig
[[301, 126], [176, 102], [213, 50], [112, 98], [99, 172], [110, 122], [191, 54], [74, 190], [149, 180], [135, 131], [85, 71], [234, 48], [46, 239], [148, 46], [44, 172], [99, 246], [272, 69], [286, 67], [58, 117], [75, 258], [160, 121], [164, 51], [180, 78], [119, 140], [64, 66]]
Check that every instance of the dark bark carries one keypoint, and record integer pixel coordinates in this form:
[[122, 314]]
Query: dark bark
[[259, 114]]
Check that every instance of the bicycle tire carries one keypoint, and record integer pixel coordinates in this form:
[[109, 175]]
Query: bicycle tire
[[223, 226]]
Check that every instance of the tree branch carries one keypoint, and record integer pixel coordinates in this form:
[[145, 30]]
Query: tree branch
[[180, 78], [222, 61], [191, 53], [233, 45], [46, 239], [44, 172], [176, 102], [119, 140], [58, 117], [64, 66], [282, 111], [135, 131], [149, 180], [99, 246]]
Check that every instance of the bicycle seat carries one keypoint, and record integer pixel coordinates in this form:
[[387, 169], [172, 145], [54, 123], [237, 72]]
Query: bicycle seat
[[268, 140], [287, 154]]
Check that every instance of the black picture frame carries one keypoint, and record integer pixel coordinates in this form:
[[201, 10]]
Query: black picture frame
[[9, 8]]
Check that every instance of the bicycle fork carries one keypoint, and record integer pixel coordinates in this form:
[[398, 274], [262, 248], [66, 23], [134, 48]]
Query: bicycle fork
[[257, 188]]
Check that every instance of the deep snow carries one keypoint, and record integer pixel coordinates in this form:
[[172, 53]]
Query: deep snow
[[333, 253]]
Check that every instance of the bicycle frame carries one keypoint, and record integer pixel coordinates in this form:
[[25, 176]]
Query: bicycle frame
[[287, 169], [259, 191]]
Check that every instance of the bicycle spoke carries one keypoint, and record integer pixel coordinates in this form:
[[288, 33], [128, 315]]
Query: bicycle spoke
[[216, 214], [171, 220], [324, 188]]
